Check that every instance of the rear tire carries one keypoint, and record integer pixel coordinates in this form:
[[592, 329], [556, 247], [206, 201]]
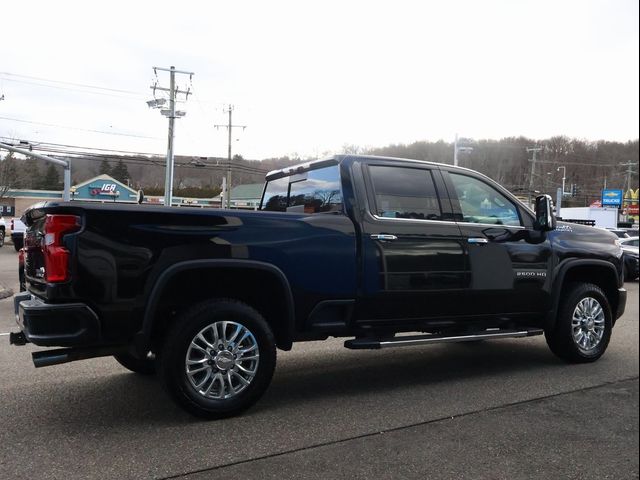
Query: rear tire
[[2, 233], [218, 359], [583, 326], [142, 366]]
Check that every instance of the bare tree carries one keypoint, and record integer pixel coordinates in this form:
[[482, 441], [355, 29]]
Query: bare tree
[[8, 174]]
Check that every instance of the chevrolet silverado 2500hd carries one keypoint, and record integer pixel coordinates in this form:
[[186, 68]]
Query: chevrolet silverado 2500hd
[[384, 252]]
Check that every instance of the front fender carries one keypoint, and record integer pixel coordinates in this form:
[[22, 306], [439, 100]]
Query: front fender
[[610, 278]]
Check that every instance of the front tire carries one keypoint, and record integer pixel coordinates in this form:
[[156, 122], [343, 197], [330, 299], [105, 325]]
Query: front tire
[[218, 359], [583, 326]]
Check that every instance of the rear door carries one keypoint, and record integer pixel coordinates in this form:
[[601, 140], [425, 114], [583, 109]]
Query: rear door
[[413, 259]]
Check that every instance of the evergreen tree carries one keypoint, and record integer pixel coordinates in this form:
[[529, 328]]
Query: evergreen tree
[[120, 172], [105, 168], [30, 175], [51, 179]]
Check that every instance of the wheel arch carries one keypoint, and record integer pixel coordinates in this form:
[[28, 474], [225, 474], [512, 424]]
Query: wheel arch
[[599, 272], [281, 319]]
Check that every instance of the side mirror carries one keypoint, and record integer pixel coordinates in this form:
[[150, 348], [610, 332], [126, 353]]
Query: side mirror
[[545, 219]]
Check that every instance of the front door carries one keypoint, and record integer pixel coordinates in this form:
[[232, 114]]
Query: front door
[[507, 260]]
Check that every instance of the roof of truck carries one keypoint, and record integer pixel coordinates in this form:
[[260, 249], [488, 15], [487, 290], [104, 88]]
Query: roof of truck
[[337, 159]]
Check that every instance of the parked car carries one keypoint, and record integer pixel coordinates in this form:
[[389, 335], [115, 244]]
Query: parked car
[[17, 233], [619, 232], [352, 246], [630, 255], [3, 231]]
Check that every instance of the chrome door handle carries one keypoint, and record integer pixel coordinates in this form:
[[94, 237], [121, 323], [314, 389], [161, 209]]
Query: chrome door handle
[[477, 241], [384, 237]]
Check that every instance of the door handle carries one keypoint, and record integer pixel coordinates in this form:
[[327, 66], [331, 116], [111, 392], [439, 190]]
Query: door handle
[[477, 241], [385, 237]]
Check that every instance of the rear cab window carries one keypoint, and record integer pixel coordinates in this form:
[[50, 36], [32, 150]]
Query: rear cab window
[[313, 191], [404, 192]]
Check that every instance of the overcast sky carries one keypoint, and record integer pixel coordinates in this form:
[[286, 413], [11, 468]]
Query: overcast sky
[[309, 77]]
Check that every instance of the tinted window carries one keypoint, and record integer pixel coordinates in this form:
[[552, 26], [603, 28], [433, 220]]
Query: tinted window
[[315, 191], [402, 192], [275, 196], [319, 192], [481, 203]]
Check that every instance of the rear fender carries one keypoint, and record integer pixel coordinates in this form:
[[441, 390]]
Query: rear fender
[[143, 338]]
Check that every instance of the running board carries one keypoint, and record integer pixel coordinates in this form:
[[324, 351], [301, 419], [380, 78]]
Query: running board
[[413, 340]]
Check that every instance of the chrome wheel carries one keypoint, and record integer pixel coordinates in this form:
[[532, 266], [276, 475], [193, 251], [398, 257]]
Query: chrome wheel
[[588, 324], [222, 360]]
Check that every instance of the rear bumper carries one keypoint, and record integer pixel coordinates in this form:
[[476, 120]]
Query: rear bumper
[[48, 325]]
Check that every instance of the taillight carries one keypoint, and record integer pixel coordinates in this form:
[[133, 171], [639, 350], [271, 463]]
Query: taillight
[[21, 256], [56, 256]]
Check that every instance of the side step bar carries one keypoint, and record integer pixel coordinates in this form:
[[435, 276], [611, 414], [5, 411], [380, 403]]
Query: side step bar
[[413, 340]]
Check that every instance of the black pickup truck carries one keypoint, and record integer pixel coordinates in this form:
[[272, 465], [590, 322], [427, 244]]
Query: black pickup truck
[[385, 252]]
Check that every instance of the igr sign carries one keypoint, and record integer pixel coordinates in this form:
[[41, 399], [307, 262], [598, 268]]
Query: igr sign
[[104, 189]]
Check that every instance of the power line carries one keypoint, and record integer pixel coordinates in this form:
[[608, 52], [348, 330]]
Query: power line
[[116, 154], [582, 164], [159, 161], [73, 89], [34, 143], [77, 128], [68, 83]]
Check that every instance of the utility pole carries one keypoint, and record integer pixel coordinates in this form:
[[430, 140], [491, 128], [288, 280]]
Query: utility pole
[[535, 150], [172, 114], [230, 126], [457, 149], [629, 173]]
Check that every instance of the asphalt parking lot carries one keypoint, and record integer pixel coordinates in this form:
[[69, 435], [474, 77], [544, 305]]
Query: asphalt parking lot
[[502, 409]]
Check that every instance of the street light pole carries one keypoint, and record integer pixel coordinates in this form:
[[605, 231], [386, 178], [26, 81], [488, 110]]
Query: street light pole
[[66, 164], [564, 177]]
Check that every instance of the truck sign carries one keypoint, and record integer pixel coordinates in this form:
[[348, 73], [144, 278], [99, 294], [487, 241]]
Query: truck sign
[[612, 198]]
